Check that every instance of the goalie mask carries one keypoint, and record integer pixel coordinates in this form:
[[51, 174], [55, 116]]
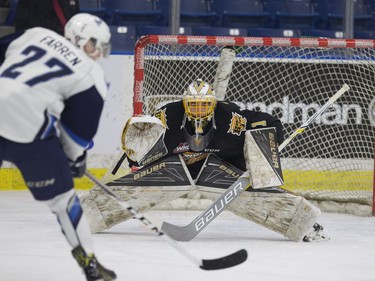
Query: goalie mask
[[89, 33], [199, 102]]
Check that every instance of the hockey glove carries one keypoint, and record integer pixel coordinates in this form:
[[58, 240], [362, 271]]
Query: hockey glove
[[78, 167]]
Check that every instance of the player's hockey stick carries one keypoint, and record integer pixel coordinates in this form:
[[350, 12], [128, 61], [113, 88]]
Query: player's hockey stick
[[188, 232], [212, 264], [118, 164]]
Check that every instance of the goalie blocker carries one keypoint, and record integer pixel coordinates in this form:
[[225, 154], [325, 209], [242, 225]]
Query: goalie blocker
[[165, 180]]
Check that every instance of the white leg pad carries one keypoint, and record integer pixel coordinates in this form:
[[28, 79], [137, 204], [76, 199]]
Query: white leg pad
[[304, 218], [103, 212], [289, 215]]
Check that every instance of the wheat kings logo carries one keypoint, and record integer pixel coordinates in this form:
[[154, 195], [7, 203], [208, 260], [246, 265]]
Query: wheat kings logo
[[237, 124], [162, 115]]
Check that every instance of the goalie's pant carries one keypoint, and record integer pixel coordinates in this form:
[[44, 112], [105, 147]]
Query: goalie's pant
[[287, 214]]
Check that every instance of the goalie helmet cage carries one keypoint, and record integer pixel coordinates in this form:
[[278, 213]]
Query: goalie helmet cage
[[332, 162]]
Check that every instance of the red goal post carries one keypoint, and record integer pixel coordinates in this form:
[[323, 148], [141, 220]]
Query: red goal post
[[332, 163]]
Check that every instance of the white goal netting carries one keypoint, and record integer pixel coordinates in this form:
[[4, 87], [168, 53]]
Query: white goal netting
[[332, 162]]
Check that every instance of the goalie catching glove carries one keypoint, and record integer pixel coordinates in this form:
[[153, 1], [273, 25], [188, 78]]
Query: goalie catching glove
[[143, 139]]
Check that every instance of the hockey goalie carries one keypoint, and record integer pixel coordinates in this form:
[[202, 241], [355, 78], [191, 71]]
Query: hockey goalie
[[200, 145]]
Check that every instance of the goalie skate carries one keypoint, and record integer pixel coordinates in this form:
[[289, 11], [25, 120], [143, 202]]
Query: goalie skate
[[317, 235]]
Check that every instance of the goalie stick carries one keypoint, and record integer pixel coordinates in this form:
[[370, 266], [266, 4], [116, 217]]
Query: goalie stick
[[188, 232], [211, 264]]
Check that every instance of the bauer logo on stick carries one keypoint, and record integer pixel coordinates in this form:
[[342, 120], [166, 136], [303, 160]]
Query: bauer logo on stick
[[221, 204]]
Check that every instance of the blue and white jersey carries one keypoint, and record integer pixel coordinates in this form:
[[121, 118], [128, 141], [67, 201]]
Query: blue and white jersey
[[43, 78]]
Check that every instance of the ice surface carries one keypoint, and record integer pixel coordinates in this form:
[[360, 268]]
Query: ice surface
[[32, 248]]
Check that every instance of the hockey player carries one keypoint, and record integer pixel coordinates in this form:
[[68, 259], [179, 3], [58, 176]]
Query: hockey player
[[207, 126], [51, 99], [196, 127]]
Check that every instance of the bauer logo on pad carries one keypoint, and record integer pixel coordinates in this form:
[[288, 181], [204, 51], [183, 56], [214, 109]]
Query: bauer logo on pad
[[165, 172]]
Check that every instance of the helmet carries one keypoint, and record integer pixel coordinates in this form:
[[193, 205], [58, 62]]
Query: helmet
[[89, 33], [199, 102]]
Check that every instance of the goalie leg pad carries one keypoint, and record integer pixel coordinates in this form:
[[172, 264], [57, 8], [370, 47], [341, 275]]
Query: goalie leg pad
[[289, 215], [304, 218], [103, 212], [150, 186]]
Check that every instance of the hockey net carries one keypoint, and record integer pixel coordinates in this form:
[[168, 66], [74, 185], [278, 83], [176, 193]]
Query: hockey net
[[332, 162]]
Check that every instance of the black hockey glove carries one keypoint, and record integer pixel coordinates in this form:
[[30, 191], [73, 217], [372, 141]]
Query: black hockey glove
[[78, 167]]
